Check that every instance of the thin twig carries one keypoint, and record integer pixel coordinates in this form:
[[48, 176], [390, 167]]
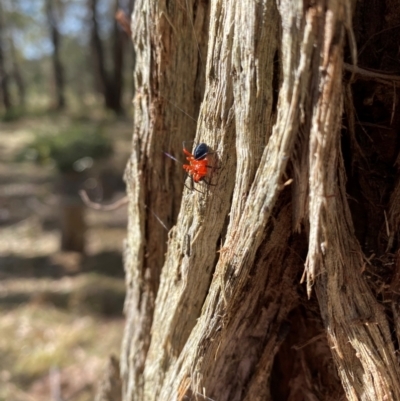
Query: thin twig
[[310, 341], [387, 224], [365, 124], [374, 35], [98, 206], [123, 21], [371, 74], [394, 104], [114, 206]]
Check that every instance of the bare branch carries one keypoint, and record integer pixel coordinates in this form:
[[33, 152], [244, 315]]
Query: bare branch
[[98, 206]]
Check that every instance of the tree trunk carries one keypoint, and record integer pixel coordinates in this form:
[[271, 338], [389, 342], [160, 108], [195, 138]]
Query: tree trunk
[[110, 84], [118, 63], [57, 65], [4, 76], [15, 58], [19, 81], [71, 212], [217, 309]]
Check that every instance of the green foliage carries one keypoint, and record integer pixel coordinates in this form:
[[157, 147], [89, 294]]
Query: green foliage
[[72, 149], [13, 114]]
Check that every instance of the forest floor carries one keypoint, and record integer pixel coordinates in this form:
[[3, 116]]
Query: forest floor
[[60, 312]]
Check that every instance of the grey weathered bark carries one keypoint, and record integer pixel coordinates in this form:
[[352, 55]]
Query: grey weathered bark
[[175, 82], [218, 313]]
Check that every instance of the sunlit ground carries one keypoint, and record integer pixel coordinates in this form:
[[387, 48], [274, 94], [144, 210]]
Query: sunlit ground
[[60, 312], [46, 350]]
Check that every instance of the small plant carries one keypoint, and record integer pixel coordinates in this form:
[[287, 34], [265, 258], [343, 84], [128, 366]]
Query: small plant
[[71, 149]]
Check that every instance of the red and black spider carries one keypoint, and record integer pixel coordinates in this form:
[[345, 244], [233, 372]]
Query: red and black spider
[[198, 163]]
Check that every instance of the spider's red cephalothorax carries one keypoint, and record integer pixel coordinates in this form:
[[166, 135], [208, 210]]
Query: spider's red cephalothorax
[[197, 167]]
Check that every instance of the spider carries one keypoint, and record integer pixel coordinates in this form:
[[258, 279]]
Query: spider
[[197, 167], [198, 164]]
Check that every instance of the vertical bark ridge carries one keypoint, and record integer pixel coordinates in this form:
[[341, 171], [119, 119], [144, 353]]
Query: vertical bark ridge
[[367, 367], [208, 360], [164, 112], [193, 244], [252, 78]]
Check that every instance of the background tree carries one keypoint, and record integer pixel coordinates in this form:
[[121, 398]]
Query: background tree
[[43, 219], [110, 83], [17, 74], [55, 36], [216, 309], [4, 75], [32, 51]]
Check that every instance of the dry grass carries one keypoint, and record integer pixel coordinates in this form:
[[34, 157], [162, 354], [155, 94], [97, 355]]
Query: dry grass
[[37, 340], [56, 329]]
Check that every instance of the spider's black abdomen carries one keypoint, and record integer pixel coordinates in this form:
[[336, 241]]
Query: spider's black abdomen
[[200, 151]]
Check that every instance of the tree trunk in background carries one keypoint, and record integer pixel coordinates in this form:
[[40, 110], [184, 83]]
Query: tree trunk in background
[[15, 60], [97, 49], [110, 84], [71, 212], [118, 63], [57, 65], [17, 75], [216, 308], [4, 77]]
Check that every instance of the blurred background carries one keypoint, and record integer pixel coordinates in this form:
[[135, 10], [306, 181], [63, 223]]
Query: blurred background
[[65, 125]]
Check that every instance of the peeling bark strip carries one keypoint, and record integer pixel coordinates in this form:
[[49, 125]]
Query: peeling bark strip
[[206, 321]]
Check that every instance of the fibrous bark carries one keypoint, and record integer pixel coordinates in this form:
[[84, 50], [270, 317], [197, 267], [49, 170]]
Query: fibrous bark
[[214, 319], [164, 37]]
